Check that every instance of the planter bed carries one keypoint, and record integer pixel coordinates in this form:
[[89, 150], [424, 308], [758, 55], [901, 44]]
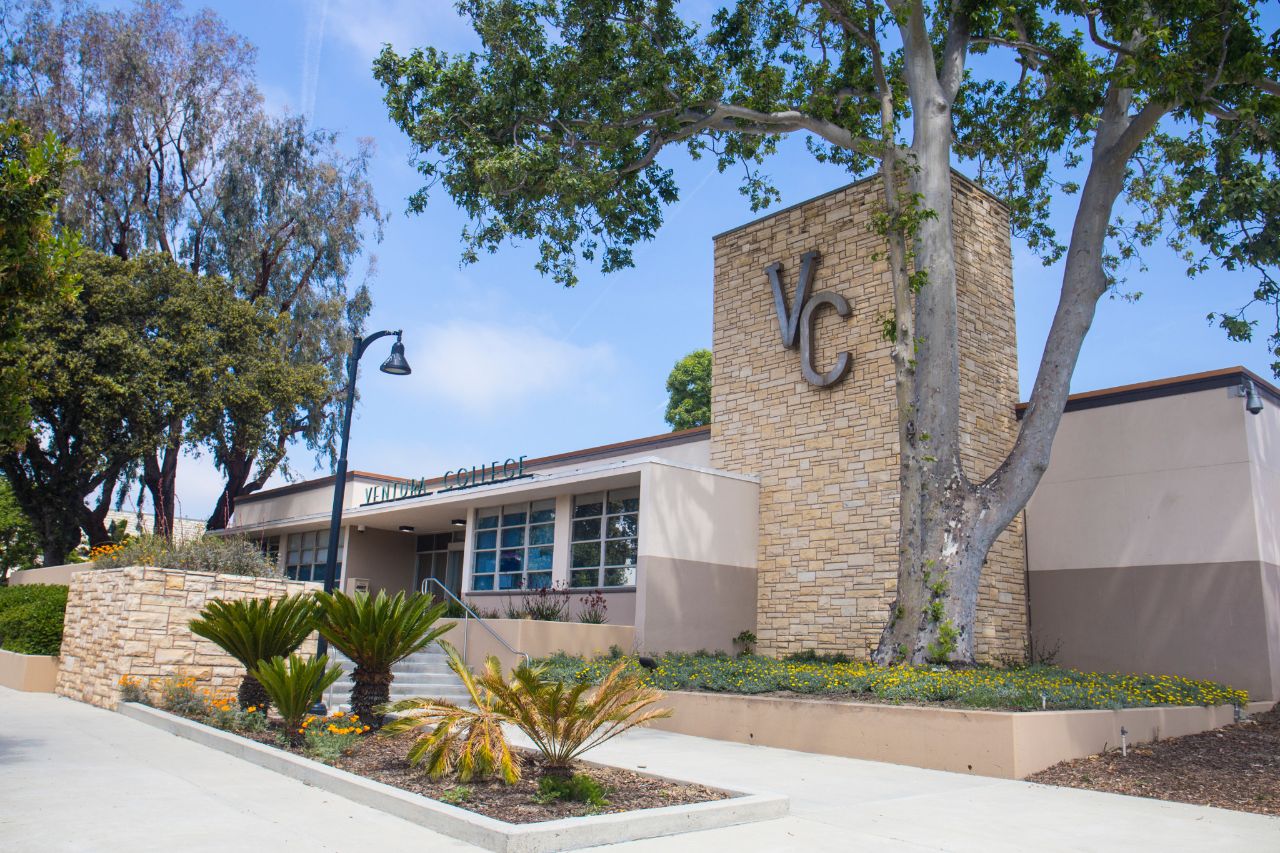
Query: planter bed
[[377, 775]]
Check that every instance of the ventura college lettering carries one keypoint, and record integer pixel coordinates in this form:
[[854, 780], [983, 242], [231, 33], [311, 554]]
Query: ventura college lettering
[[797, 321]]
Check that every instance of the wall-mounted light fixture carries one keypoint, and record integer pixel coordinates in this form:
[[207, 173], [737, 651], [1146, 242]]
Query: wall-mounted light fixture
[[1252, 400]]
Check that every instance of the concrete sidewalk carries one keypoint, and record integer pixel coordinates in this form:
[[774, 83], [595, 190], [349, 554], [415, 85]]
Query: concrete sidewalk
[[81, 779]]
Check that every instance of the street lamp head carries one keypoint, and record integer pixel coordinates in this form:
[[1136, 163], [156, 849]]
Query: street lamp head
[[395, 363]]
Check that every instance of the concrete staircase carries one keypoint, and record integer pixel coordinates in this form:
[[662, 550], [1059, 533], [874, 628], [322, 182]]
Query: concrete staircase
[[425, 673]]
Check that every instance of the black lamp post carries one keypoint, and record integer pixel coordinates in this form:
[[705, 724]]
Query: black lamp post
[[396, 366]]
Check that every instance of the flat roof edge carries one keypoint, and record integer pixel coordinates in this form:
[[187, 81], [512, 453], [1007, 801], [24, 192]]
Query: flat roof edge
[[1169, 387]]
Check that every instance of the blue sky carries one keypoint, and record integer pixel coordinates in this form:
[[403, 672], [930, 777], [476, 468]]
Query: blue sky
[[507, 363]]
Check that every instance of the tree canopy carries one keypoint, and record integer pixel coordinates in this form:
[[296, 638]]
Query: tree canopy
[[180, 157], [689, 391], [1150, 121]]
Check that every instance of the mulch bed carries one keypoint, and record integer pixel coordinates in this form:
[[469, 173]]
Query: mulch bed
[[383, 760], [1236, 767]]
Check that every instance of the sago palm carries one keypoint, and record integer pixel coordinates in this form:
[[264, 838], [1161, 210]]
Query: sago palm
[[295, 685], [256, 629], [375, 633], [451, 738], [566, 720]]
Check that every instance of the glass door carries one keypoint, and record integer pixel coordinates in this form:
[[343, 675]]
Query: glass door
[[439, 558]]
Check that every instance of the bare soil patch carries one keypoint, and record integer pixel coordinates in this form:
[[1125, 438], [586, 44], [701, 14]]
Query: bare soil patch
[[382, 759], [1236, 767]]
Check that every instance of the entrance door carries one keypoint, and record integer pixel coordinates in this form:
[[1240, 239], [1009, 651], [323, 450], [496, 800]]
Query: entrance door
[[439, 558]]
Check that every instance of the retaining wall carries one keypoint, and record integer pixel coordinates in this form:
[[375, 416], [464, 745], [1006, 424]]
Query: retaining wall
[[536, 638], [1006, 744], [32, 673], [133, 621]]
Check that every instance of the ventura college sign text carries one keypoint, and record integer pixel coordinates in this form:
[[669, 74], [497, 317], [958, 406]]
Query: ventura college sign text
[[796, 321], [462, 478]]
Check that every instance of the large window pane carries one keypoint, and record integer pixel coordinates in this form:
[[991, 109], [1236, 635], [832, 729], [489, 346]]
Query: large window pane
[[585, 506], [511, 561], [486, 562], [620, 552], [622, 526], [486, 539], [539, 559], [580, 579], [585, 555], [512, 517], [586, 529], [543, 534], [624, 500], [539, 580], [620, 576], [542, 512], [482, 583], [487, 518], [512, 537], [509, 581]]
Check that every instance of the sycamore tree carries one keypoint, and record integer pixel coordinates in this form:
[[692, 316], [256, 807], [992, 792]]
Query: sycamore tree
[[689, 391], [178, 156], [1149, 121]]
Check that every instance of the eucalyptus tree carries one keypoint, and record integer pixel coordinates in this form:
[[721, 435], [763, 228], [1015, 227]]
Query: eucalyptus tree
[[180, 157], [1151, 120]]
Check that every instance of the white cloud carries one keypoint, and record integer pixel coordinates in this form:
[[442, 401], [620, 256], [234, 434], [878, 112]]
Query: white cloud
[[366, 26], [480, 366]]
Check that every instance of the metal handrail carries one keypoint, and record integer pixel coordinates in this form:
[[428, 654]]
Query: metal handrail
[[466, 622]]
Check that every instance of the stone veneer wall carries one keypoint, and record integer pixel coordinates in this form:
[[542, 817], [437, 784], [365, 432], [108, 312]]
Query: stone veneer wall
[[828, 457], [133, 621]]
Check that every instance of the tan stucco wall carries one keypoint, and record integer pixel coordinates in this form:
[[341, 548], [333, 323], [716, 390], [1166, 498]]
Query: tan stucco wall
[[686, 605], [316, 501], [1146, 483], [537, 639], [827, 457], [133, 621], [1008, 745], [1148, 540], [32, 673], [60, 575], [387, 558]]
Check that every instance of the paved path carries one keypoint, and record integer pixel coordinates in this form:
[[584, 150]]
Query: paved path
[[80, 779]]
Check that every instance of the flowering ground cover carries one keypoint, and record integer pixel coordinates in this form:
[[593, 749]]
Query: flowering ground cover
[[1236, 767], [1019, 689]]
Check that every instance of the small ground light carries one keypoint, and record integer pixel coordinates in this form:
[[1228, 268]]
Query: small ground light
[[1124, 742]]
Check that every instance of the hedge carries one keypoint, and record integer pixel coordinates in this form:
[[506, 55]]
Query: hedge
[[31, 618]]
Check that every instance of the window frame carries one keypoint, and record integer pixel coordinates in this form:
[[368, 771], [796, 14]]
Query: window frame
[[313, 542], [493, 574], [602, 538]]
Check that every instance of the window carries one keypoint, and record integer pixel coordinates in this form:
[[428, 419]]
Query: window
[[605, 527], [513, 546], [270, 548], [307, 553]]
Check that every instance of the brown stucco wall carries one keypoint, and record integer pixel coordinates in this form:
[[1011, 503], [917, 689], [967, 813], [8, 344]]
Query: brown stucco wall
[[133, 621], [386, 558], [1196, 620], [827, 457]]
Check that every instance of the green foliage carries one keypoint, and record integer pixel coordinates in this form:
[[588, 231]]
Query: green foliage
[[180, 695], [594, 609], [578, 788], [456, 795], [31, 618], [452, 738], [256, 629], [689, 391], [295, 685], [939, 651], [974, 687], [329, 738], [35, 255], [548, 604], [746, 639], [222, 555], [375, 633], [19, 545]]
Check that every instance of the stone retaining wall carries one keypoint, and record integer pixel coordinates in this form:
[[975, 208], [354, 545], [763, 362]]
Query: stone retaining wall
[[133, 621]]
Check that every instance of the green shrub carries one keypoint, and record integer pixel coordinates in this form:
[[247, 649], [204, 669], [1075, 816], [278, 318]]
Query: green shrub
[[578, 788], [31, 618], [222, 555], [295, 685], [1027, 689], [179, 695]]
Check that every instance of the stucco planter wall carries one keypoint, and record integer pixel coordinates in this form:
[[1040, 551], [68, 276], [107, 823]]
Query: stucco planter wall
[[538, 639], [59, 575], [32, 673], [133, 621], [1006, 744]]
